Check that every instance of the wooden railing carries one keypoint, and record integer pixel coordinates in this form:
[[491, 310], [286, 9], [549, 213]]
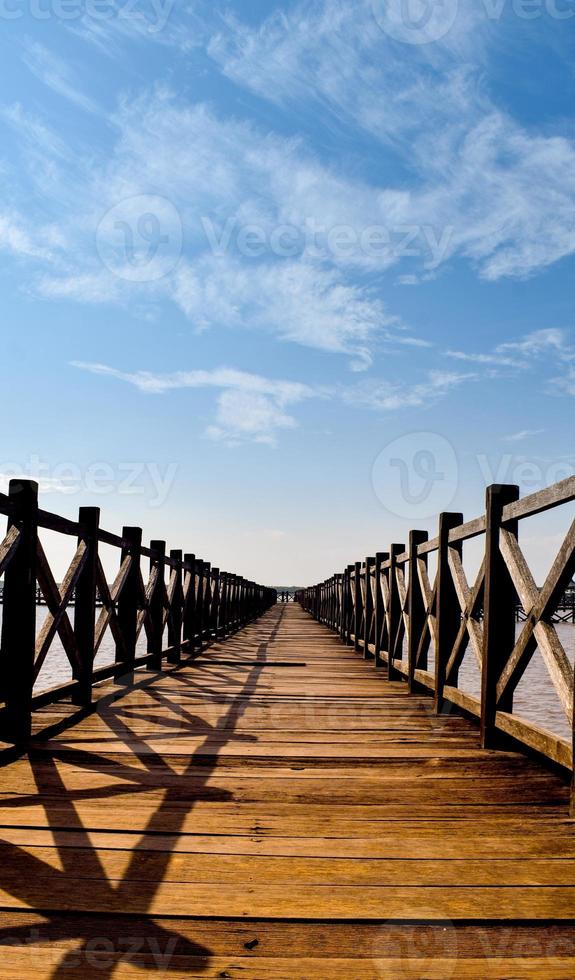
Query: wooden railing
[[184, 599], [418, 627]]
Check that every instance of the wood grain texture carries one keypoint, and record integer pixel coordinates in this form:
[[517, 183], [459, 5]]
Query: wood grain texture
[[279, 809]]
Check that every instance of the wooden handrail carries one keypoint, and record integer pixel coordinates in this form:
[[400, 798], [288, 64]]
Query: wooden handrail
[[391, 612], [197, 603]]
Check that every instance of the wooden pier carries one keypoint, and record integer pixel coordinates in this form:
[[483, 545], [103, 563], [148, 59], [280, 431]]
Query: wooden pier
[[278, 789], [280, 809]]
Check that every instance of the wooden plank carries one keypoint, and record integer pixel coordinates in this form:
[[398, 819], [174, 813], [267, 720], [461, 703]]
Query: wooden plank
[[542, 500], [127, 965], [190, 868], [555, 748], [56, 893]]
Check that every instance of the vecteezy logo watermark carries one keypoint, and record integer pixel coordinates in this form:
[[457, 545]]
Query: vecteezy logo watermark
[[416, 476], [529, 473], [416, 21], [425, 21], [141, 238], [145, 480], [426, 948], [99, 955], [150, 16]]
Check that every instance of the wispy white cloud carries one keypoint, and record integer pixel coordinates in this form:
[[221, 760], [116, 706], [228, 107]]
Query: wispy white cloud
[[523, 435], [391, 396], [334, 55], [249, 406], [57, 75], [565, 383], [477, 186], [240, 177], [520, 354], [549, 351], [34, 132], [162, 22], [158, 384], [508, 193], [22, 241], [248, 415], [45, 160], [296, 301]]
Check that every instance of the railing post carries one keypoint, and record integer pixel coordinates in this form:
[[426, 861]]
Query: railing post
[[215, 604], [416, 604], [190, 609], [339, 603], [85, 604], [229, 603], [379, 608], [499, 611], [232, 605], [240, 603], [128, 605], [19, 616], [358, 605], [344, 607], [223, 617], [448, 608], [243, 602], [395, 613], [175, 617], [368, 625], [205, 598], [156, 642], [348, 606]]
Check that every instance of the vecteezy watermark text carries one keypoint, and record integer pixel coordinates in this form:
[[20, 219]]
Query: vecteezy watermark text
[[416, 476], [425, 21], [149, 15], [341, 241], [141, 239], [530, 474], [97, 952], [142, 479]]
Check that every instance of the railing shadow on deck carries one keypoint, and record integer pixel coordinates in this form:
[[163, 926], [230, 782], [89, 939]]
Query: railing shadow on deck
[[127, 931], [417, 627]]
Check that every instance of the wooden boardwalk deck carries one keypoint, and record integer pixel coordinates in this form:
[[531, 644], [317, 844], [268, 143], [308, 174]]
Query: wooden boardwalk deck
[[278, 809]]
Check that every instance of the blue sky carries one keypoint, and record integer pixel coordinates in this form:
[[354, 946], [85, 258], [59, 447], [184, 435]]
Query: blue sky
[[281, 280]]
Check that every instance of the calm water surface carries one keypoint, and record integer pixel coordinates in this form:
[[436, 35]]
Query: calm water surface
[[56, 669], [535, 698]]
